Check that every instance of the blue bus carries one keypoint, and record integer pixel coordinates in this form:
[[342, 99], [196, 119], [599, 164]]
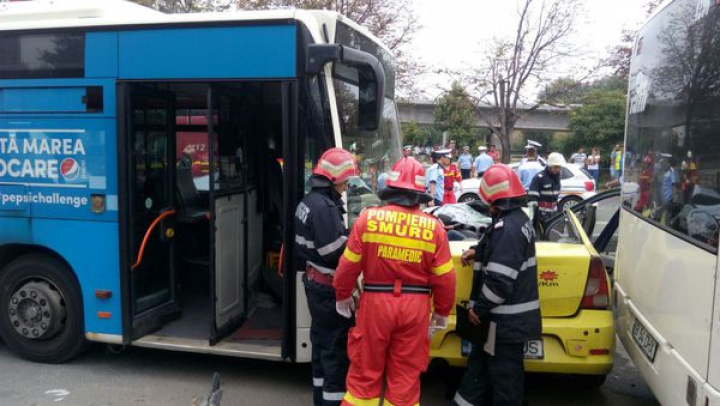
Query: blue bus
[[150, 165]]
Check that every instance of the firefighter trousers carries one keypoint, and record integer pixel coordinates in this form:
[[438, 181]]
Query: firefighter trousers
[[328, 335], [497, 380], [390, 341]]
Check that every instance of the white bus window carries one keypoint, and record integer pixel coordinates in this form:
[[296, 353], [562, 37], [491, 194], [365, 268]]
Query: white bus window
[[672, 163]]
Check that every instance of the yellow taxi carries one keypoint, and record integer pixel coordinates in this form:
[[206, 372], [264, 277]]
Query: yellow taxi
[[578, 335]]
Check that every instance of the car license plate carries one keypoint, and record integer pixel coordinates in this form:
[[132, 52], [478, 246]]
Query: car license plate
[[644, 340], [534, 349]]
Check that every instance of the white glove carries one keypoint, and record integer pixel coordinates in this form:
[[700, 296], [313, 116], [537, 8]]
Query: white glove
[[345, 307], [437, 323]]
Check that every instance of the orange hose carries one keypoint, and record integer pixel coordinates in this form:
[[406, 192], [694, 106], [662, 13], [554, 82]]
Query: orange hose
[[280, 270], [147, 236]]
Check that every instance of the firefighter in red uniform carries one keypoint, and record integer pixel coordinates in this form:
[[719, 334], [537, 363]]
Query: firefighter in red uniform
[[452, 175], [405, 257]]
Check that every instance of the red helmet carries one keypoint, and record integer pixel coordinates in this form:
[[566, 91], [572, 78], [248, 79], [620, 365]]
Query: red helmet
[[337, 165], [407, 173], [500, 182]]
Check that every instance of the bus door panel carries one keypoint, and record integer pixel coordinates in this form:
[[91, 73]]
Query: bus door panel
[[229, 211], [150, 124], [229, 259]]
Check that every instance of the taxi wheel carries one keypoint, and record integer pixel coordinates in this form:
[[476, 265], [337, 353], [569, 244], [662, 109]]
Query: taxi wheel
[[41, 311]]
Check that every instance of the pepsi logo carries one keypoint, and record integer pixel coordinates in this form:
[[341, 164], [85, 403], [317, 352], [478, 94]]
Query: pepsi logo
[[69, 169]]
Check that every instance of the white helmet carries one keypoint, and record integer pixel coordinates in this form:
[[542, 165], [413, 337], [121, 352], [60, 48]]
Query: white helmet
[[555, 159]]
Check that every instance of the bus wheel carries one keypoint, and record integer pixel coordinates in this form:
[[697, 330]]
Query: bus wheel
[[41, 312]]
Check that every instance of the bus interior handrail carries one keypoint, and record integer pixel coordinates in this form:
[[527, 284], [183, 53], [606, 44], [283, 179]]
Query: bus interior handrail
[[150, 229]]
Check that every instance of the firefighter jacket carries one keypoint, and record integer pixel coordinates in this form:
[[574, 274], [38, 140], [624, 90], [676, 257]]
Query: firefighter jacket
[[505, 288], [400, 247], [545, 190], [452, 175], [320, 232]]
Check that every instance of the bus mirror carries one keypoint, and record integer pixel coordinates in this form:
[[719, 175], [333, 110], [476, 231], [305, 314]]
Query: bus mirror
[[371, 77]]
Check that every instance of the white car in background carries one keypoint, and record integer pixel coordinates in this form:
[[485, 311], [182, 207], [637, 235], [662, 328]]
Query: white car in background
[[576, 185]]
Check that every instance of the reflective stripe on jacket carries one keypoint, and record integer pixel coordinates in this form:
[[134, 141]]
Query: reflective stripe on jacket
[[505, 289], [320, 233], [396, 243], [545, 190]]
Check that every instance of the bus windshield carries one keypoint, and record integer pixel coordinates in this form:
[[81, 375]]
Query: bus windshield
[[376, 151]]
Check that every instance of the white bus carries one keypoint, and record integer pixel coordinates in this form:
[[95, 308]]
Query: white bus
[[666, 268]]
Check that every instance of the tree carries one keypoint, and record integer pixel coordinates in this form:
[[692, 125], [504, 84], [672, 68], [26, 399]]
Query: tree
[[540, 42], [392, 21], [456, 116], [414, 134], [621, 54], [599, 122], [571, 91], [186, 6]]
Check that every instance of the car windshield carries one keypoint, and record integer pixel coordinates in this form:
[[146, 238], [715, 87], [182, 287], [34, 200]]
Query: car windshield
[[463, 214]]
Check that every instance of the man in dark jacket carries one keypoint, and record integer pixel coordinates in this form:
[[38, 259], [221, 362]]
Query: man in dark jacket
[[545, 188], [320, 240], [504, 295]]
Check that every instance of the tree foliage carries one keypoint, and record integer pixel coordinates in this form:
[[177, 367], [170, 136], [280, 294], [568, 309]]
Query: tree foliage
[[600, 122], [620, 55], [415, 134], [542, 40], [571, 91], [455, 115], [186, 6], [392, 21]]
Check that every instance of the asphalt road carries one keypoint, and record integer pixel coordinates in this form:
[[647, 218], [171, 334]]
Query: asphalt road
[[136, 376]]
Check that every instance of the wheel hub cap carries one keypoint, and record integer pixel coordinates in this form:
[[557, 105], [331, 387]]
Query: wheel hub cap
[[37, 310]]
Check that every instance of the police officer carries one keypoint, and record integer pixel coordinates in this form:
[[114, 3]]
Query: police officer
[[545, 188], [405, 257], [435, 180], [320, 239], [504, 294], [530, 166]]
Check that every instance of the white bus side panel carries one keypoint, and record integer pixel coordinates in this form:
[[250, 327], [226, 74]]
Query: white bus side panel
[[668, 284], [714, 368], [667, 376], [303, 347]]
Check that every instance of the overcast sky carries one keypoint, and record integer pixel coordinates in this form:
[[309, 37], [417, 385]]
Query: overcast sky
[[454, 31]]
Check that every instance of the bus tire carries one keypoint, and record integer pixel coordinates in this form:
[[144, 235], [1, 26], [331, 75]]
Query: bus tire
[[41, 310]]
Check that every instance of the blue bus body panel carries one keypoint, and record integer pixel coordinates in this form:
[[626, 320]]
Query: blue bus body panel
[[56, 157], [208, 53], [91, 248], [101, 55], [53, 158]]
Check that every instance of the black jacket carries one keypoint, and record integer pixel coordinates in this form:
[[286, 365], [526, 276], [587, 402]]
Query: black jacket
[[505, 287], [320, 232], [544, 190]]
